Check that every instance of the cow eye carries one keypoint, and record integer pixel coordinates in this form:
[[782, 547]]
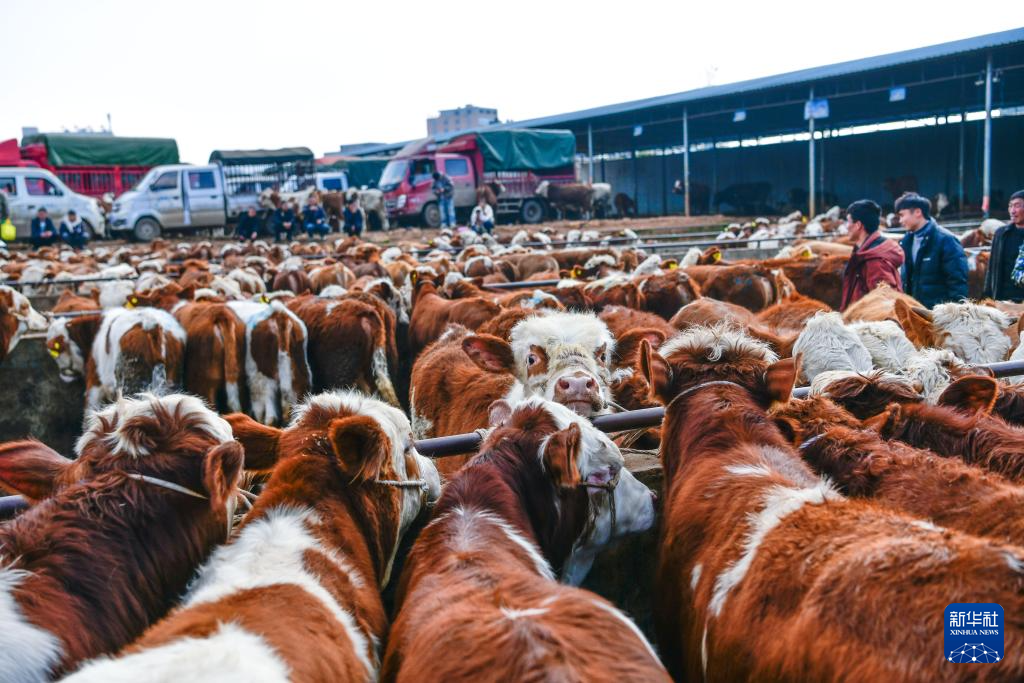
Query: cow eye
[[532, 359]]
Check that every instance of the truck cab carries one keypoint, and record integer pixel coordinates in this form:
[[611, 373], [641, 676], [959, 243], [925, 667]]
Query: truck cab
[[172, 197], [407, 186], [28, 189]]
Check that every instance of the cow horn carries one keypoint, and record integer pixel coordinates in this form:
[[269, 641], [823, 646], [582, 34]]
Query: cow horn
[[923, 312]]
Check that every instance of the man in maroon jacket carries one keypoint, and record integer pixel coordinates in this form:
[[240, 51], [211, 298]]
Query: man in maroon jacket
[[875, 258]]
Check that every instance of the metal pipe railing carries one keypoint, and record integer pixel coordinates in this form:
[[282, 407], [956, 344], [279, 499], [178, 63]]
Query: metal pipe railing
[[616, 422]]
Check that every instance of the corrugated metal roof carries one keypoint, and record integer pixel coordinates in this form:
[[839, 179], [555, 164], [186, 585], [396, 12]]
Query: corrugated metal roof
[[817, 73]]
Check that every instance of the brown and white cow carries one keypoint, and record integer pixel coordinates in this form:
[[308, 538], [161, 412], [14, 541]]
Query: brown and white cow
[[764, 567], [215, 346], [349, 342], [296, 594], [576, 196], [121, 352], [16, 318], [945, 491], [276, 363], [116, 534], [432, 313], [478, 597], [564, 357]]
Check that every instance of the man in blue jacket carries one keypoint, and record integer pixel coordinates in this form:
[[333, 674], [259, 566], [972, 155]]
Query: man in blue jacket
[[72, 231], [314, 219], [43, 231], [935, 266]]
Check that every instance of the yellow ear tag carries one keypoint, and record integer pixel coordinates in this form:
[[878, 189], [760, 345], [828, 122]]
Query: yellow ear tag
[[54, 352], [717, 256], [673, 265], [264, 299]]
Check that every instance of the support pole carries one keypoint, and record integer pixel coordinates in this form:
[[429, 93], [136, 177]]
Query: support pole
[[960, 169], [686, 162], [810, 159], [986, 182], [590, 153]]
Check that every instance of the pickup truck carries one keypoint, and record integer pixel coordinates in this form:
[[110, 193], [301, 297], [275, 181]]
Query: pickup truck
[[184, 197]]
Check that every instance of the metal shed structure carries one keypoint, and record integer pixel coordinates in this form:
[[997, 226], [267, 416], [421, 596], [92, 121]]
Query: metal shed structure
[[947, 118]]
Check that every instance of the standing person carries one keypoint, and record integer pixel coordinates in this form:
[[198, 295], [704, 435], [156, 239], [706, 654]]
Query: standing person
[[353, 217], [249, 225], [935, 266], [72, 231], [314, 219], [445, 191], [43, 232], [1004, 279], [284, 222], [875, 258], [482, 218]]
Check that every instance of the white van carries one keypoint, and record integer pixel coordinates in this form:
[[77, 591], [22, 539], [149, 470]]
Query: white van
[[29, 189]]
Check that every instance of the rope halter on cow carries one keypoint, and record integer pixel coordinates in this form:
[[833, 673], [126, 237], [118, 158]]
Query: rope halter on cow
[[246, 496]]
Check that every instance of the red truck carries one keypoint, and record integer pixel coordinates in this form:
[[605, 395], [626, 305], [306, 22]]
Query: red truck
[[95, 164], [518, 159]]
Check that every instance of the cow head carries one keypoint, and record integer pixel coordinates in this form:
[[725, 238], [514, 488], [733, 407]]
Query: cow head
[[542, 189], [716, 353], [68, 341], [17, 316], [563, 357], [344, 444], [168, 297], [864, 394], [169, 441], [586, 464]]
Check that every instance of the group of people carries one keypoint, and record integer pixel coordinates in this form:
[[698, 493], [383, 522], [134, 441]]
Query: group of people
[[481, 220], [72, 231], [929, 263], [287, 218]]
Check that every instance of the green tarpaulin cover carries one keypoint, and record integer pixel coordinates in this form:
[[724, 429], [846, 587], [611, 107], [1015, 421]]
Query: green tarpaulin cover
[[64, 149], [261, 156], [526, 150]]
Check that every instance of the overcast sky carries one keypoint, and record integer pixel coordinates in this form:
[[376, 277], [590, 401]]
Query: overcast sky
[[219, 74]]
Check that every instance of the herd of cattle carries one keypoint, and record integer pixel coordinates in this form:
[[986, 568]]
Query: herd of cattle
[[814, 538]]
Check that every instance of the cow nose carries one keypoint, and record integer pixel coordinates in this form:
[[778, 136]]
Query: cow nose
[[577, 385]]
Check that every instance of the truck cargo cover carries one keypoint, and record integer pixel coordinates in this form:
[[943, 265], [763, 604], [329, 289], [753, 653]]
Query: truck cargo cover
[[261, 156], [65, 149], [526, 150]]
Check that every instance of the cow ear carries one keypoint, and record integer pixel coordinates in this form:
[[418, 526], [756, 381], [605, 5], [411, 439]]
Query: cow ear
[[259, 441], [918, 327], [561, 456], [780, 378], [656, 370], [490, 353], [885, 422], [31, 468], [222, 468], [789, 428], [971, 394], [360, 446], [499, 412]]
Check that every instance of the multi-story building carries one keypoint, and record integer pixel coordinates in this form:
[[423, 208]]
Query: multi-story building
[[463, 118]]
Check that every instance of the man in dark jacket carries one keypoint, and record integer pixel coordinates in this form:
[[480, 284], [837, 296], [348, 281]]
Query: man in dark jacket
[[284, 222], [445, 191], [1000, 283], [314, 219], [72, 231], [935, 266], [43, 232], [875, 258], [249, 225], [353, 218]]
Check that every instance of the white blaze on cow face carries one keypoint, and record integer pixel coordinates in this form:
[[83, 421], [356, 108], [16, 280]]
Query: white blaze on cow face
[[630, 502], [66, 353], [974, 333], [564, 357]]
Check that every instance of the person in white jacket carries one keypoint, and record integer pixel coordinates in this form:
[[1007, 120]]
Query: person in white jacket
[[482, 218]]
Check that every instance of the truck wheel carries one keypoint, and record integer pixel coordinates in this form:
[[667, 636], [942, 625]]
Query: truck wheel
[[532, 211], [431, 215], [146, 230]]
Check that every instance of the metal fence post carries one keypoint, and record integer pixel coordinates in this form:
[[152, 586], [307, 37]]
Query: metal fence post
[[686, 162]]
